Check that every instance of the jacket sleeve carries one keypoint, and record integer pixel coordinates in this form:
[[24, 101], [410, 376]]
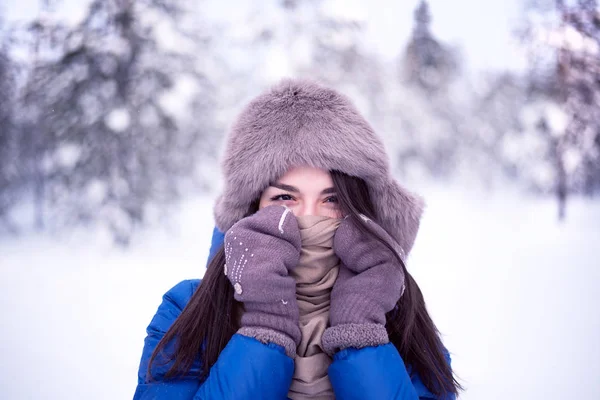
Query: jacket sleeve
[[245, 369], [376, 372]]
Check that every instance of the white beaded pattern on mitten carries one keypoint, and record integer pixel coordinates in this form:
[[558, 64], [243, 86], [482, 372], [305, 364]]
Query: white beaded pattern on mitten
[[235, 267]]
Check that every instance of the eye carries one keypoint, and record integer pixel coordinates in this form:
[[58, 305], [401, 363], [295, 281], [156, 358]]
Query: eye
[[282, 197], [331, 199]]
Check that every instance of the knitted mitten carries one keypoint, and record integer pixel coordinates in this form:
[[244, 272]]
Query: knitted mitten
[[259, 251], [369, 284]]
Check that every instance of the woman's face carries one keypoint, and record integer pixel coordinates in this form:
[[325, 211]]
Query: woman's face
[[306, 191]]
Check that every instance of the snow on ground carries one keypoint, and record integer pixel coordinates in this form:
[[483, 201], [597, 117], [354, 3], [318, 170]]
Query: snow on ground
[[514, 293]]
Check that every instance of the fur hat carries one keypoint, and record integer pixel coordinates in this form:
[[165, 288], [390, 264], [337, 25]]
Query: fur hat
[[300, 122]]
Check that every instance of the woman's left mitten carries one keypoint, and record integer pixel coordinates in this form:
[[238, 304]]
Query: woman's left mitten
[[369, 284]]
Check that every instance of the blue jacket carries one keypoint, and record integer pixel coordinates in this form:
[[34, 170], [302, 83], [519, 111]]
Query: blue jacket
[[249, 369]]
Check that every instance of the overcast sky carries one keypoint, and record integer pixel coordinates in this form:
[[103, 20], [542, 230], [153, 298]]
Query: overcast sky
[[483, 29]]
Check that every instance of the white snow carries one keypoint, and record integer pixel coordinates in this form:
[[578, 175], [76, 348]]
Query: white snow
[[572, 159], [514, 293], [176, 100], [67, 155], [96, 191], [569, 38], [557, 119], [118, 120]]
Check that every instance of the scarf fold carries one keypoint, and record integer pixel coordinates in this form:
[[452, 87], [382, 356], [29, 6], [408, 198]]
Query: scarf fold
[[315, 274]]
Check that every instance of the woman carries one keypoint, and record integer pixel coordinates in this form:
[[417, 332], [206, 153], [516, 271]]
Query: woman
[[306, 293]]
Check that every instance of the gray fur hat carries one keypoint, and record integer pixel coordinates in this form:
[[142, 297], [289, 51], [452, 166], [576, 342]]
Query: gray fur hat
[[300, 122]]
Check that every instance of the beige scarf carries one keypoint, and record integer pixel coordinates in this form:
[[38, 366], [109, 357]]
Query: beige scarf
[[315, 274]]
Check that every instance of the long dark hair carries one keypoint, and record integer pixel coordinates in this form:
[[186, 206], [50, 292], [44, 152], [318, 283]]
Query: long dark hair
[[209, 319]]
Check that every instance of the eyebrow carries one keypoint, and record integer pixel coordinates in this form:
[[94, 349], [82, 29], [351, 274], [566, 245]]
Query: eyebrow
[[294, 189]]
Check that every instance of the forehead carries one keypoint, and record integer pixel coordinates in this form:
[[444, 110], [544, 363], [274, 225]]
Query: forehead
[[307, 177]]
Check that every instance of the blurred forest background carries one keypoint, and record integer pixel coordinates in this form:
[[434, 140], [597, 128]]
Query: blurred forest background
[[111, 119]]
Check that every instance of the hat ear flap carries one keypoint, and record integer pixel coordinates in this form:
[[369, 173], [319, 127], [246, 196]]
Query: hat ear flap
[[399, 212]]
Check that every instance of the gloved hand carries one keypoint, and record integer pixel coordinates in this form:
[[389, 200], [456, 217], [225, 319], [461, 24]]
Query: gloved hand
[[259, 251], [369, 284]]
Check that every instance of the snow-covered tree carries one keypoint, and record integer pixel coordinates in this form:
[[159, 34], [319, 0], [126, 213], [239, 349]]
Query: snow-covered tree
[[565, 53], [428, 103], [427, 63], [515, 127], [103, 131], [9, 183], [308, 39]]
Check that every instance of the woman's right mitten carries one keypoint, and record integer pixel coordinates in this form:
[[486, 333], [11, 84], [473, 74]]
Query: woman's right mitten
[[259, 251]]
